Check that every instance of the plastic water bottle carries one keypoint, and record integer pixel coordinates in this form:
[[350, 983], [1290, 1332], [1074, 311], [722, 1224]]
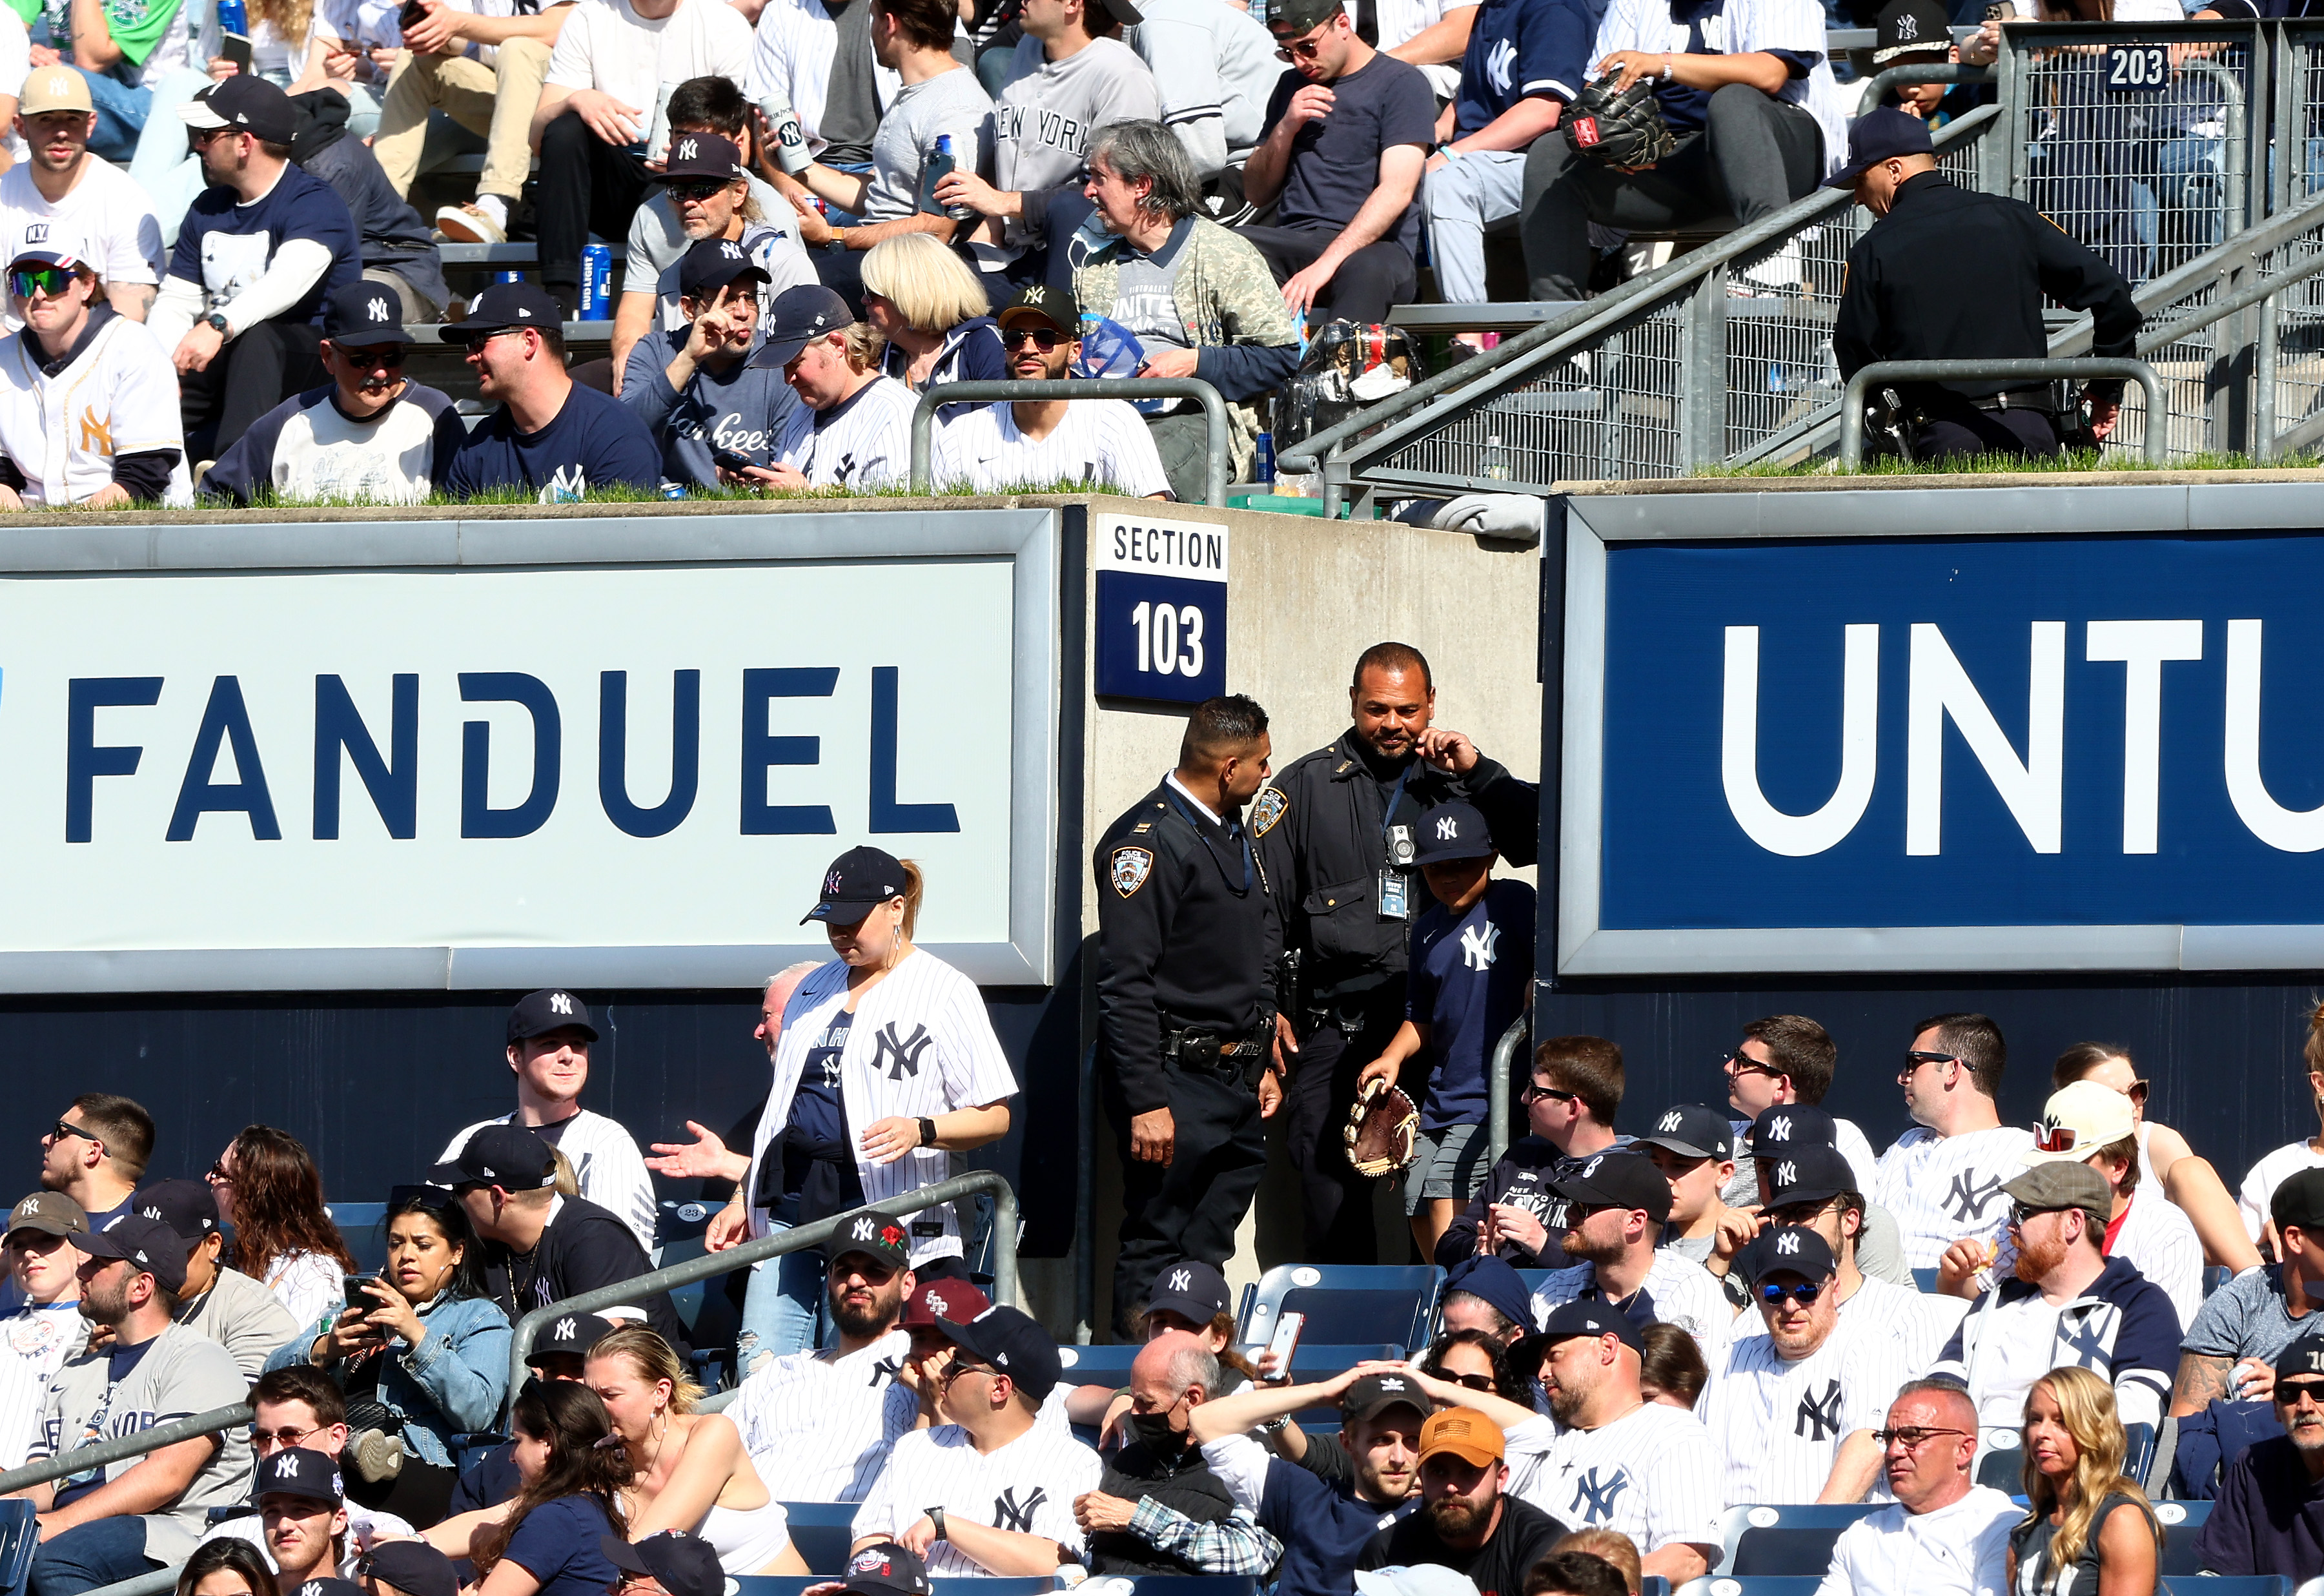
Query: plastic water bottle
[[1497, 463]]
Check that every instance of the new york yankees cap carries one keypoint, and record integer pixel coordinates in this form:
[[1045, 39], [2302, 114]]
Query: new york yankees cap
[[1621, 1180], [932, 1300], [1009, 1341], [682, 1565], [799, 316], [1491, 1279], [1786, 1249], [2051, 1186], [1881, 134], [571, 1333], [888, 1568], [1789, 1126], [537, 1013], [510, 304], [1192, 1289], [54, 89], [186, 1206], [245, 102], [509, 1157], [2095, 1116], [2299, 1200], [50, 1213], [150, 1247], [412, 1567], [363, 313], [1466, 1434], [1454, 831], [711, 263], [1693, 1132], [873, 1237], [702, 155], [862, 878], [301, 1471], [1374, 1394], [1911, 28], [1812, 1174], [2302, 1356], [329, 1585], [1589, 1316]]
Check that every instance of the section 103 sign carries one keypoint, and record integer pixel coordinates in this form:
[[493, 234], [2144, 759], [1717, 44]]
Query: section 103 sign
[[1161, 607]]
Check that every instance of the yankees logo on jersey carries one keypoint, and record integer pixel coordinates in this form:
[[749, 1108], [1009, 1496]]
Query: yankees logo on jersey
[[1025, 1487], [1776, 1424], [1650, 1474], [1967, 1197], [1942, 1189], [1818, 1417], [900, 1056], [1594, 1497], [1009, 1513], [827, 1424]]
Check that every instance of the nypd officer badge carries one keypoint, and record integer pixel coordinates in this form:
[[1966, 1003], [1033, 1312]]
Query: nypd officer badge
[[1131, 866], [1267, 810]]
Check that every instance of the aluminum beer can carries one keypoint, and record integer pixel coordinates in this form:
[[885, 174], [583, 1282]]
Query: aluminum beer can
[[234, 17], [1262, 468], [508, 277], [596, 283], [790, 137]]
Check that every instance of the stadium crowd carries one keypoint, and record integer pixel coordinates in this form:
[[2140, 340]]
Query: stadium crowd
[[220, 239]]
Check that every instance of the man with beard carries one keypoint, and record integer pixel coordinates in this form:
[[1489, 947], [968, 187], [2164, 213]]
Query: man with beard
[[1614, 1460], [1339, 832], [123, 1520], [819, 1425], [1793, 1411], [1325, 1524], [1944, 1536], [1158, 1491], [1466, 1522], [62, 191], [1616, 1205], [2070, 1305], [2269, 1518]]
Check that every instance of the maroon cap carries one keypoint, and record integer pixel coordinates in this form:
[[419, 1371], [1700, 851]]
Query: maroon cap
[[931, 1300]]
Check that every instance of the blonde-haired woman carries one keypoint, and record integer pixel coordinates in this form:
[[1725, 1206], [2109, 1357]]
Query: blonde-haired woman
[[2088, 1529], [853, 426], [887, 1067], [931, 307], [692, 1472]]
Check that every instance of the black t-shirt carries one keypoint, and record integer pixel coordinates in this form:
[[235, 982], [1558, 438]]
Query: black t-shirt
[[1498, 1567], [583, 1248], [1334, 162]]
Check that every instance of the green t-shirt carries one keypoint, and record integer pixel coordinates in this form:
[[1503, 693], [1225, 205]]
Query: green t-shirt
[[138, 25]]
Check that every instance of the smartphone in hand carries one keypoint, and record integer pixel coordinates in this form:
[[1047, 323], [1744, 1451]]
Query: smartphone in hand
[[235, 48]]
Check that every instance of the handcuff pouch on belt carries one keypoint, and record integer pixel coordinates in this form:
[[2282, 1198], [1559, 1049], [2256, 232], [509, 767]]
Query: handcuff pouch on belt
[[1198, 1048]]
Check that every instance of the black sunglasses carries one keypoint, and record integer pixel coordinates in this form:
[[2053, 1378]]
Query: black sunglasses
[[1914, 1058], [1736, 1063], [1044, 339], [474, 342], [384, 356], [698, 190], [65, 1127], [1532, 1093], [1471, 1382]]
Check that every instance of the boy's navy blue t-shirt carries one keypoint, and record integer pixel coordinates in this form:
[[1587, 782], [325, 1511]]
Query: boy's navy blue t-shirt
[[1324, 1526], [1467, 982], [594, 442]]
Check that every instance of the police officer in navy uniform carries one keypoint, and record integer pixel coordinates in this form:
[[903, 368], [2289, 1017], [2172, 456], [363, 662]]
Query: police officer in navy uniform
[[1949, 273], [1186, 944], [1338, 833]]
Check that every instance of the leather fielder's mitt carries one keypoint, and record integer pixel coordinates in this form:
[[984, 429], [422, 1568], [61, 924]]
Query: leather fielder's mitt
[[1383, 1131], [1610, 129]]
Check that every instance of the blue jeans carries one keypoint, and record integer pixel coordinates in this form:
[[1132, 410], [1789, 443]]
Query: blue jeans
[[2190, 177], [121, 115], [99, 1552], [783, 1308]]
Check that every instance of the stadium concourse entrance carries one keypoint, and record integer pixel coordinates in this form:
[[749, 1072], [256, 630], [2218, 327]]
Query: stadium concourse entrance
[[300, 799]]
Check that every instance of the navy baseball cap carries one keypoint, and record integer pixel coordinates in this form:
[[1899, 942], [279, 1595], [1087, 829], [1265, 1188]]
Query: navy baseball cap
[[798, 317], [363, 313], [1454, 831], [1786, 1249], [509, 1157], [888, 1568], [1051, 305], [1812, 1174], [1788, 1126], [186, 1206], [245, 102], [862, 878], [572, 1332], [1693, 1132], [2303, 1355], [2299, 1200], [1012, 1342], [150, 1247], [509, 304], [1880, 135], [1490, 1279], [873, 1237], [301, 1471], [1618, 1180], [538, 1013], [702, 155], [682, 1565], [1192, 1289], [413, 1567], [1589, 1316], [711, 264]]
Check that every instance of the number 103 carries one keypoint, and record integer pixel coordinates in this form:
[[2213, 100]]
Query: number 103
[[1169, 638]]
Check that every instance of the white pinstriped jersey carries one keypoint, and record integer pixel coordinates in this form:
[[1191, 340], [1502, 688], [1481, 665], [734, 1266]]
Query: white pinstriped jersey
[[1778, 1424], [1650, 1474], [864, 441], [922, 1044], [1101, 441], [820, 1431], [1028, 1485], [34, 1343], [1919, 1323], [1943, 1188], [1684, 1294], [2160, 1241]]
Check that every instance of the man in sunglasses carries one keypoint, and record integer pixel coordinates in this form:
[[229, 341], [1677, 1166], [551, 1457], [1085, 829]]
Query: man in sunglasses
[[2068, 1304], [95, 1154], [371, 434], [1780, 1135], [301, 1406], [1102, 442], [1814, 1187], [2269, 1515], [1945, 1534], [1786, 1059], [1942, 1179], [1616, 1205], [1793, 1411]]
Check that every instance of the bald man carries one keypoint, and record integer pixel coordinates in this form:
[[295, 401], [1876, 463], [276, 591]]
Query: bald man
[[1946, 1535], [1160, 1509]]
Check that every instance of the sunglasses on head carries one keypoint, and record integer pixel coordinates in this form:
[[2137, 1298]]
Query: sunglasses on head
[[434, 1198], [1044, 339], [1803, 1292], [51, 280]]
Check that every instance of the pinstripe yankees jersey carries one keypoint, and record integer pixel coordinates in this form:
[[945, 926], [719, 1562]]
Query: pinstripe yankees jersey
[[922, 1044], [1677, 1290], [820, 1431], [1027, 1485], [1778, 1422], [2161, 1243], [1650, 1474], [1101, 441], [1943, 1188], [862, 442], [34, 1343], [1919, 1323], [117, 394]]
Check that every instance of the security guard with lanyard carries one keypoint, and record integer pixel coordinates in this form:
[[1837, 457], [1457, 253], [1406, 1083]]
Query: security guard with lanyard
[[1947, 273], [1338, 833], [1187, 938]]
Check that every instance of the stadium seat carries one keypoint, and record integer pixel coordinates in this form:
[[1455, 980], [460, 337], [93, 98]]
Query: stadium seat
[[823, 1532], [20, 1537], [1720, 1584], [1098, 1365], [1533, 1278], [2001, 1460], [2242, 1584], [2139, 1452], [361, 1227], [1321, 1363], [1172, 1585], [1757, 1541], [2180, 1521], [1926, 1280], [1346, 1304]]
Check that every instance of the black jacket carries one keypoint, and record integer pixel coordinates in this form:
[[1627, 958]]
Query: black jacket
[[1498, 1567], [1186, 937], [1522, 1178], [1949, 273], [1320, 826], [394, 238], [583, 1248], [1185, 1484]]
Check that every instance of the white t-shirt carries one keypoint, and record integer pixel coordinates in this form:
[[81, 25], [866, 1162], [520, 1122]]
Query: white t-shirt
[[1101, 441], [2269, 1173], [819, 1430], [1651, 1474], [606, 45], [105, 216], [1942, 1189], [1961, 1550], [1028, 1485], [864, 441]]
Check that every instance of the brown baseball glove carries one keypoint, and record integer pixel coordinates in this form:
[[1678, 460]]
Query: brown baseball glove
[[1383, 1131]]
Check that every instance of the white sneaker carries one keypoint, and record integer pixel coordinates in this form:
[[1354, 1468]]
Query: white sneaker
[[469, 224]]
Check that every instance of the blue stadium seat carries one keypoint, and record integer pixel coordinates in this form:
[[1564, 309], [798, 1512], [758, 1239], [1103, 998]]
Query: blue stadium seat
[[360, 1227], [1757, 1541], [1097, 1365], [821, 1531], [2001, 1465], [2140, 1449], [1720, 1584], [1533, 1278], [2242, 1584], [20, 1537], [1926, 1280], [2180, 1520], [1321, 1363], [1172, 1585], [1346, 1304]]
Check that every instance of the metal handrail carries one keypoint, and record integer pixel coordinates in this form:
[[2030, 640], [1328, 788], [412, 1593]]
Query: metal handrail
[[123, 1447], [1497, 1089], [1901, 76], [1215, 412], [626, 1293], [1851, 411]]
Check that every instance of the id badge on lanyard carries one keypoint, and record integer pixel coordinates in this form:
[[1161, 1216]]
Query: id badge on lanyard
[[1395, 885]]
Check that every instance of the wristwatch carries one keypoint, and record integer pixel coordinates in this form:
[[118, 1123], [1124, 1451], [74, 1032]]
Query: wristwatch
[[217, 321], [928, 1132], [936, 1516], [838, 241]]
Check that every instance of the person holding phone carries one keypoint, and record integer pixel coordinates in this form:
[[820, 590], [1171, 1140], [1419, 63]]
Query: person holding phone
[[422, 1348], [716, 414]]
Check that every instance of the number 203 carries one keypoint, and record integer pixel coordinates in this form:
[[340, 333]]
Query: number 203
[[1169, 638]]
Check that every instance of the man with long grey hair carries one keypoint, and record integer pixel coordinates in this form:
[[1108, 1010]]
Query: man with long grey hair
[[1198, 300]]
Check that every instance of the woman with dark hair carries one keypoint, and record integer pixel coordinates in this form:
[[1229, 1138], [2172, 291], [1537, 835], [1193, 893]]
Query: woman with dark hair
[[428, 1362], [2088, 1529], [544, 1541], [268, 1190], [1673, 1371], [227, 1566], [1476, 1361]]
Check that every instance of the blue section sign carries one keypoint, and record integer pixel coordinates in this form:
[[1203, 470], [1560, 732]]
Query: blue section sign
[[1161, 592]]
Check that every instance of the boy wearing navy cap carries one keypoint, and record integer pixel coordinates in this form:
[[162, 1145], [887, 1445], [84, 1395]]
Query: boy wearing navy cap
[[1693, 1146], [1469, 975], [303, 1506]]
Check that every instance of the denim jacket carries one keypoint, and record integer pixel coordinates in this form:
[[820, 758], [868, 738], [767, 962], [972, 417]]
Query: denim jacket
[[451, 1384]]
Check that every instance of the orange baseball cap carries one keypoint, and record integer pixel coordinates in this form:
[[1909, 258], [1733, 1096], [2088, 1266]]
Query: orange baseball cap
[[1465, 1434]]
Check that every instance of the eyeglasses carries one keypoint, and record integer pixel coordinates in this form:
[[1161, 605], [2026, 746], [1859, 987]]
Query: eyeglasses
[[262, 1439], [1044, 339], [696, 191], [1911, 1437], [51, 280], [1802, 1214], [1805, 1293], [1737, 1064], [1532, 1093], [65, 1128], [959, 1369], [383, 356], [474, 342], [2055, 1138], [1914, 1059]]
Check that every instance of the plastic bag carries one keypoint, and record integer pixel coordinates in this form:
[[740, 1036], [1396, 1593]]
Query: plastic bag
[[1110, 349], [1347, 367]]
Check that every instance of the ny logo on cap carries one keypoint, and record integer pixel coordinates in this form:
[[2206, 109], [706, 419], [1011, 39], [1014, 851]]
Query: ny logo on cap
[[559, 1003], [1670, 1121], [29, 1205], [1182, 1279], [1908, 26], [377, 307], [831, 883], [1448, 830], [688, 150], [1788, 1245], [150, 1213], [1779, 1129], [565, 1329], [729, 250], [864, 1231], [1787, 1173], [287, 1466]]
